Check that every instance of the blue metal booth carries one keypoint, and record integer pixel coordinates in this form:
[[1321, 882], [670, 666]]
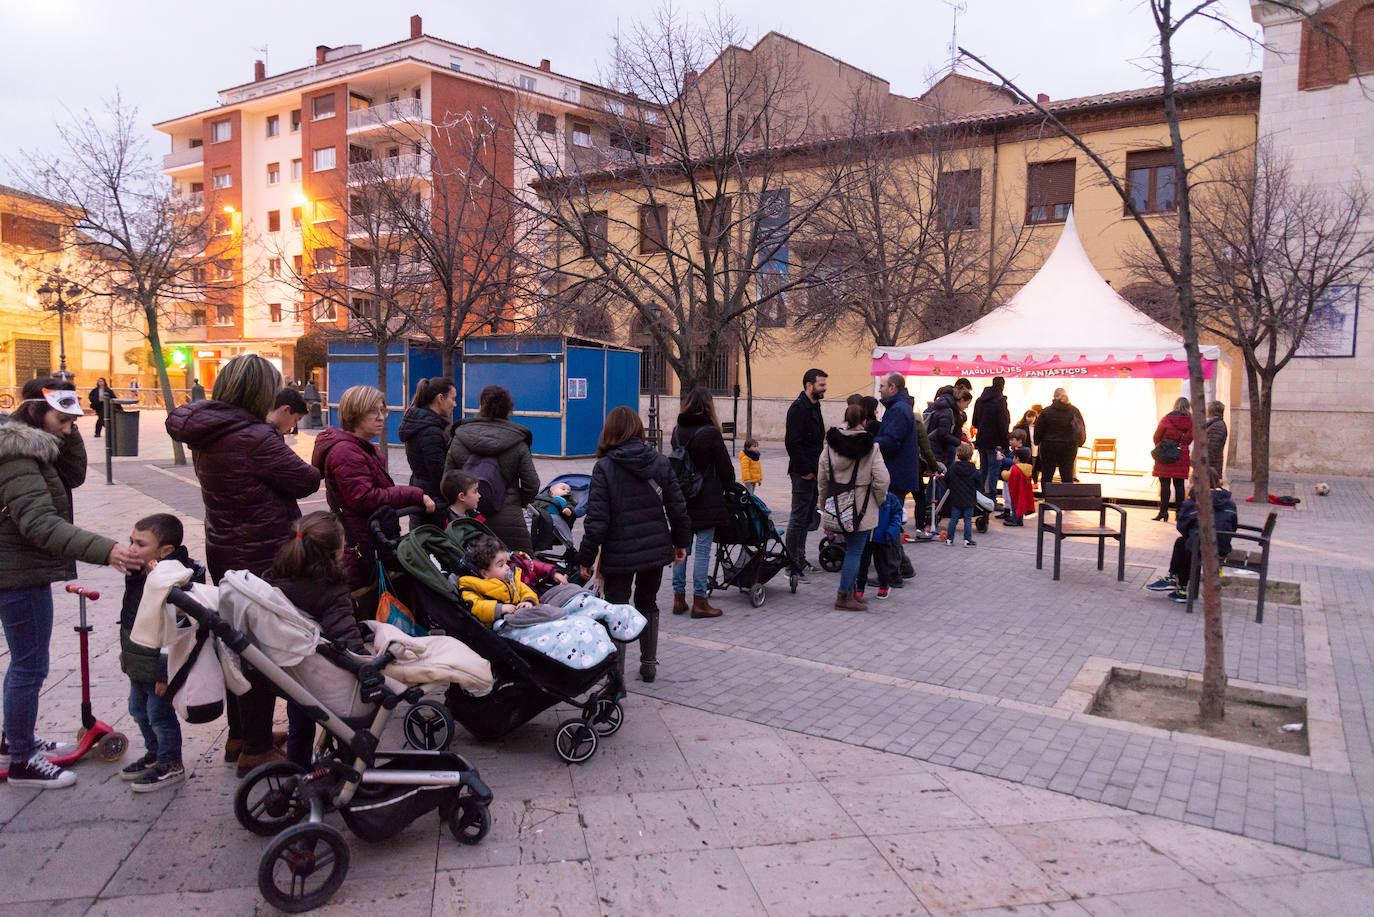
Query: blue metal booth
[[563, 386], [355, 363]]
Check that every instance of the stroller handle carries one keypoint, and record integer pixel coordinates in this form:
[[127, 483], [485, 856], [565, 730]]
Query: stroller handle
[[376, 523]]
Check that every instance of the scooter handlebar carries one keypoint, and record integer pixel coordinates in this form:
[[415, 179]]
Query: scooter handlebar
[[82, 591]]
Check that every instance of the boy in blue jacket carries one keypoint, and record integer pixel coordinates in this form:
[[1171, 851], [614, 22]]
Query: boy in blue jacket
[[882, 549]]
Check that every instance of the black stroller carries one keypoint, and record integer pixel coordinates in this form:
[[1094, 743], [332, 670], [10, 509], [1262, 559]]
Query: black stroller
[[550, 531], [527, 682], [376, 792], [749, 551]]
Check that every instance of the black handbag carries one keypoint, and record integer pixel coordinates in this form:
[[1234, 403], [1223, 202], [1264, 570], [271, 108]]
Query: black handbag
[[1167, 452]]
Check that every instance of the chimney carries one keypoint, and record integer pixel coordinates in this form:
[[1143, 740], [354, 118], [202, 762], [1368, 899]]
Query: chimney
[[689, 79], [416, 28], [1042, 98], [545, 65], [259, 71], [320, 52]]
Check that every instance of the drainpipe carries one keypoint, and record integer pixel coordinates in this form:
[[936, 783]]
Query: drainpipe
[[992, 215]]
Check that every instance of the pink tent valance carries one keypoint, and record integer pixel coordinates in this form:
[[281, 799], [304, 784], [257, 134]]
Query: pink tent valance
[[1138, 367]]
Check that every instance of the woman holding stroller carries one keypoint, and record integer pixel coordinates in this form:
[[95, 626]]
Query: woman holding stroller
[[698, 432], [636, 521], [250, 481], [426, 430], [852, 483]]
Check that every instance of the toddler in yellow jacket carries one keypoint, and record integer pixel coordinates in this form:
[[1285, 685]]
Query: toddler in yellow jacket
[[499, 590], [750, 469]]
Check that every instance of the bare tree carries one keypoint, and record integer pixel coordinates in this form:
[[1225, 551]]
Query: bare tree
[[147, 251], [1273, 258], [687, 221]]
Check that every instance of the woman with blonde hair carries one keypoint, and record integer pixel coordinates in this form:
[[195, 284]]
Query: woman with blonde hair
[[356, 481], [1173, 437]]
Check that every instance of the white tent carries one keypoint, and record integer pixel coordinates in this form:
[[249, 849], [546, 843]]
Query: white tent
[[1066, 327]]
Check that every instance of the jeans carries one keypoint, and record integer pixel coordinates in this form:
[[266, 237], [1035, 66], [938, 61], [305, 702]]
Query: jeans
[[27, 618], [799, 520], [955, 514], [300, 735], [853, 554], [157, 720], [700, 551], [644, 585], [991, 467], [1164, 495]]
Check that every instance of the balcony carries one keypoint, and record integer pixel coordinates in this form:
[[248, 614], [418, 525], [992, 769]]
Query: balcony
[[402, 111], [191, 200], [390, 168], [377, 224], [190, 158]]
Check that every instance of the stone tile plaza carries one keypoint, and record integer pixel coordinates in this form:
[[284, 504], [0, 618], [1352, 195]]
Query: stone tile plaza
[[931, 758]]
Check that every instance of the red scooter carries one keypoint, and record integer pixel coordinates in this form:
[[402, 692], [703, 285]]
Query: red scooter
[[93, 732]]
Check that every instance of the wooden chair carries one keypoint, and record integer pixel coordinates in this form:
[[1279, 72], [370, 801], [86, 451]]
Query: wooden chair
[[1248, 560], [1060, 498], [1102, 451]]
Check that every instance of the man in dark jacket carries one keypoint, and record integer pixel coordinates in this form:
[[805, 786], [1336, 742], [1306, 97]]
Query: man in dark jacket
[[1216, 438], [1176, 581], [1059, 431], [805, 439], [992, 421], [902, 438]]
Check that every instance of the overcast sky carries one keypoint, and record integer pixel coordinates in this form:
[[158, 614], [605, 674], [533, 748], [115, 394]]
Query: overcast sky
[[170, 58]]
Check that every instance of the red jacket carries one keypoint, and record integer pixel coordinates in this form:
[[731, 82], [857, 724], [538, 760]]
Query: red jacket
[[1179, 428], [357, 484], [250, 481]]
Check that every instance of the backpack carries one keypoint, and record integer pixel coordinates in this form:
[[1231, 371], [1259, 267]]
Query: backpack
[[1167, 452], [684, 469], [1080, 434], [491, 486]]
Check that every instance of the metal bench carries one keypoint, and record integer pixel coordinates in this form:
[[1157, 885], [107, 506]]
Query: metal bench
[[1061, 498], [1257, 559]]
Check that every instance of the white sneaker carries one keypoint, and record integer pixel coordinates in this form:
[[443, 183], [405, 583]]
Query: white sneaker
[[45, 747], [41, 774]]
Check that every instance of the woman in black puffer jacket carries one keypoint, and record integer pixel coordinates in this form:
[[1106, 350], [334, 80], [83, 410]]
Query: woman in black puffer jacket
[[636, 520], [426, 430], [699, 432]]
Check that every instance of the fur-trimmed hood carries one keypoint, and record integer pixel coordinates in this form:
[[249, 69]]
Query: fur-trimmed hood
[[19, 440], [852, 444]]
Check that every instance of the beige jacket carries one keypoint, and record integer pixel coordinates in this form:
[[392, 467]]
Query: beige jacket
[[844, 450]]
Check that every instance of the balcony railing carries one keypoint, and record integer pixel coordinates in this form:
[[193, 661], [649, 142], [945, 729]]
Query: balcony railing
[[389, 168], [407, 272], [183, 158], [402, 110], [193, 200]]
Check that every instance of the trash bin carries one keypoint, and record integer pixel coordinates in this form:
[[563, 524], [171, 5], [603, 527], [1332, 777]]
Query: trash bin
[[315, 420], [123, 432]]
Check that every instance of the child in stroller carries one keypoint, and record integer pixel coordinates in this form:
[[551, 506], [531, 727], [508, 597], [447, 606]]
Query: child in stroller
[[553, 518]]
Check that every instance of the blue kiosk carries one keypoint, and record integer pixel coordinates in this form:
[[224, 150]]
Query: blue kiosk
[[353, 363], [563, 386]]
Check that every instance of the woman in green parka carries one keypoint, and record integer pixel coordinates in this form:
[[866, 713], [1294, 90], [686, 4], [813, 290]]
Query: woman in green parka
[[39, 546]]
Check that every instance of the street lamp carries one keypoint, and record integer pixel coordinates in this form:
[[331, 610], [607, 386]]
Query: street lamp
[[58, 299]]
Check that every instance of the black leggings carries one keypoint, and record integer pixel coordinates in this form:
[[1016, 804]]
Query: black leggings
[[645, 588], [1164, 495]]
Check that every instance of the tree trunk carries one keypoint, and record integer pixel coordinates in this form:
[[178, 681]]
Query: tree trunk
[[1261, 410], [748, 397], [164, 382], [382, 349], [449, 355]]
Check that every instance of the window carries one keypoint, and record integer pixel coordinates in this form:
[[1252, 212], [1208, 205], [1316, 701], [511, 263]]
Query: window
[[323, 159], [595, 241], [321, 107], [274, 221], [222, 179], [273, 267], [1150, 179], [527, 83], [546, 124], [295, 170], [959, 194], [224, 270], [614, 106], [623, 138], [713, 221], [325, 260], [325, 311], [197, 143], [653, 221], [653, 371], [582, 134], [274, 125], [455, 64], [274, 313], [1049, 191], [298, 264], [365, 308], [273, 173], [224, 224], [295, 120], [221, 131], [297, 214], [197, 318], [224, 313]]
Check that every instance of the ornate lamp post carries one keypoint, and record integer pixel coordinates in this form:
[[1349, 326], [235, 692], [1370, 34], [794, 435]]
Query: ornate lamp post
[[58, 296]]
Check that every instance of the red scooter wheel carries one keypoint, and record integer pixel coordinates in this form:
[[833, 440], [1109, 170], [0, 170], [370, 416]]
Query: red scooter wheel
[[113, 746]]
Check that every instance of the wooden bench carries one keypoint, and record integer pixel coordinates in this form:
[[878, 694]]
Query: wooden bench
[[1257, 559], [1061, 498]]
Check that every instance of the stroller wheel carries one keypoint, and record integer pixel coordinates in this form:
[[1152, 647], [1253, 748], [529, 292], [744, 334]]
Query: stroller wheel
[[832, 558], [303, 867], [605, 718], [981, 523], [757, 595], [575, 742], [269, 798], [428, 726], [469, 821], [792, 583], [113, 746]]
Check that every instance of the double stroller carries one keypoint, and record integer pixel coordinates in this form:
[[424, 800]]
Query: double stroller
[[749, 551], [376, 792], [526, 681]]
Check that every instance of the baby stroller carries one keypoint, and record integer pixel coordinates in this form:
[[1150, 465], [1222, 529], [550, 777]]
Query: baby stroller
[[550, 531], [377, 793], [527, 682], [749, 551], [980, 522]]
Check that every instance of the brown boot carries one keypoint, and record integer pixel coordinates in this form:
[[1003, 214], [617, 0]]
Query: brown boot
[[247, 762], [232, 747], [679, 603], [847, 601], [701, 608]]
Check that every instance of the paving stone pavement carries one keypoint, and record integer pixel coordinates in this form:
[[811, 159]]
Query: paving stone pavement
[[793, 759]]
